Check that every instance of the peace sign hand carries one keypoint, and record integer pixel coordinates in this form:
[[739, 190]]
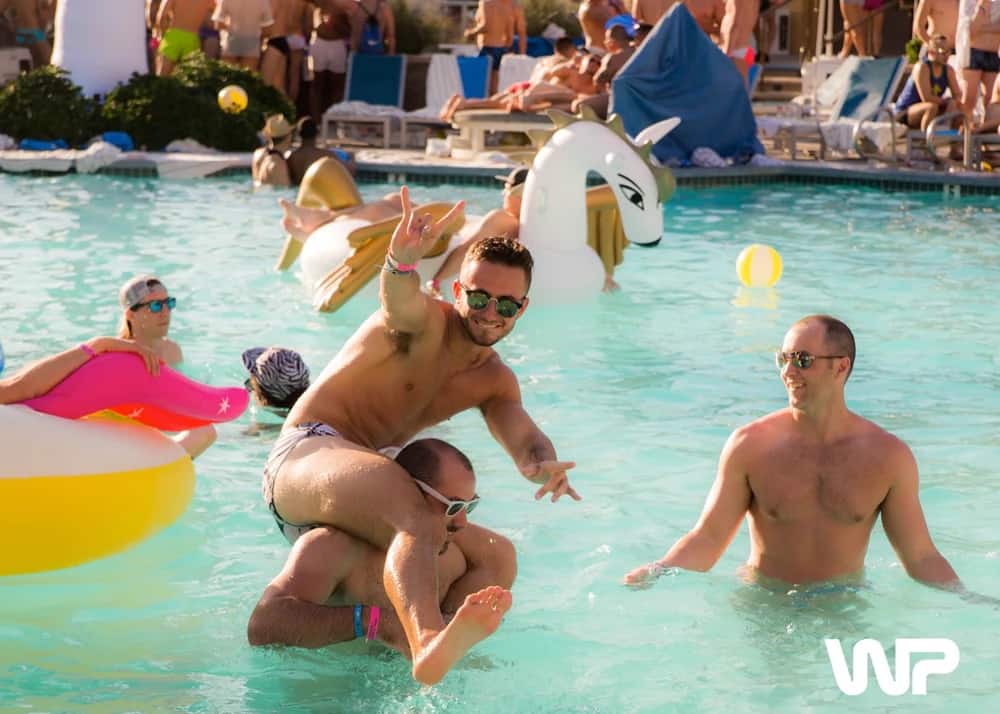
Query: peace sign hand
[[415, 234]]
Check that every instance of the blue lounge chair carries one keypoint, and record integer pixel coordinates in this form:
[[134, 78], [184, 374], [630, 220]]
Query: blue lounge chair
[[475, 73], [856, 94], [374, 94]]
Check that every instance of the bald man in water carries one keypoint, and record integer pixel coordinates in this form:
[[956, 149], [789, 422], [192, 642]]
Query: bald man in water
[[812, 479]]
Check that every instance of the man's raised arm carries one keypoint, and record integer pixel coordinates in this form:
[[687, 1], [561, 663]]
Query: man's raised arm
[[404, 307], [725, 507]]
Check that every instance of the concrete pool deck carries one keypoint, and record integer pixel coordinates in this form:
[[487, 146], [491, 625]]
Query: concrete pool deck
[[414, 166]]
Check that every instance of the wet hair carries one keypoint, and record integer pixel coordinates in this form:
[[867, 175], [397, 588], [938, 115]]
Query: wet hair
[[422, 459], [620, 35], [563, 44], [307, 128], [839, 338], [642, 30], [502, 250], [286, 403]]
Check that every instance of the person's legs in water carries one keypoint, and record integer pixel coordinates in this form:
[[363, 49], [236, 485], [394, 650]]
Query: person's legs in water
[[329, 480]]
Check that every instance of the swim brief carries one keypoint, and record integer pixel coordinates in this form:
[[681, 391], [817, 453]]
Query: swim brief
[[287, 441], [983, 60], [495, 54], [280, 44], [178, 44]]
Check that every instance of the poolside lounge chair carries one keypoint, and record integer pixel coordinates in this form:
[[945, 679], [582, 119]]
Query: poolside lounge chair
[[857, 93], [514, 69], [474, 124], [443, 80], [374, 95]]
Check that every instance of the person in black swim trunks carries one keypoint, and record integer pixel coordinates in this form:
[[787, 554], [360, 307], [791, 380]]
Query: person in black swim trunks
[[983, 62]]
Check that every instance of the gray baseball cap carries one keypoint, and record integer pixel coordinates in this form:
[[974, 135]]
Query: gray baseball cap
[[279, 372], [138, 289]]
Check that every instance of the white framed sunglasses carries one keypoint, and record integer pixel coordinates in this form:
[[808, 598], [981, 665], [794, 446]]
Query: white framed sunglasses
[[454, 506]]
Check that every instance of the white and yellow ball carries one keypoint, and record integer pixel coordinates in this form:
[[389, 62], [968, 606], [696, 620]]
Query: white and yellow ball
[[233, 99], [759, 266]]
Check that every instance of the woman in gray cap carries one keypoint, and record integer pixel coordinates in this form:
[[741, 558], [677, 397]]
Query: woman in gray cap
[[146, 311]]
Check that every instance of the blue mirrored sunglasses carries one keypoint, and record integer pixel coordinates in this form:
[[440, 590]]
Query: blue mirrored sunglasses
[[157, 305]]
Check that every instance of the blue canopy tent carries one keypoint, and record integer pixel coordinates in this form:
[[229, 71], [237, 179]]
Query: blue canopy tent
[[679, 72]]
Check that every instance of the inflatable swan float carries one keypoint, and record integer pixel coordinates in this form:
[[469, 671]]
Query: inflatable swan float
[[575, 236]]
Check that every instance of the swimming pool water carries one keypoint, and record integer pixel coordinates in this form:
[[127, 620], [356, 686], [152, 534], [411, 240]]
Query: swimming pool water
[[641, 388]]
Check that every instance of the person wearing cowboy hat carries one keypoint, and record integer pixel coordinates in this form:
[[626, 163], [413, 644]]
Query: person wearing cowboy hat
[[269, 166]]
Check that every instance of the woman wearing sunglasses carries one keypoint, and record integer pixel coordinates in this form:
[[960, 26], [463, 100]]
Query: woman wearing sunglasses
[[146, 311]]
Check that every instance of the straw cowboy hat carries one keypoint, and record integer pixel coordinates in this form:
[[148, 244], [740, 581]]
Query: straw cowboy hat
[[277, 127]]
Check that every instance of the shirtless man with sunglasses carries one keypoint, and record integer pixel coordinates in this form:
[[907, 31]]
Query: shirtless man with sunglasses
[[330, 590], [811, 479], [414, 363]]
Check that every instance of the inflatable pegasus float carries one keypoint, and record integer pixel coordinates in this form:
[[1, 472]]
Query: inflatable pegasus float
[[576, 236]]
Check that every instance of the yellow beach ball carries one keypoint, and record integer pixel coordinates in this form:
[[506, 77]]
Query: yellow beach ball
[[759, 266], [232, 99]]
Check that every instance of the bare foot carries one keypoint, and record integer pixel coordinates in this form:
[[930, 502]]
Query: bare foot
[[290, 220], [478, 618], [449, 107], [610, 286]]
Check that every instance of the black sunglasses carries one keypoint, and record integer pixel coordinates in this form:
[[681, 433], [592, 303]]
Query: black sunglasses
[[479, 299], [157, 305], [800, 360]]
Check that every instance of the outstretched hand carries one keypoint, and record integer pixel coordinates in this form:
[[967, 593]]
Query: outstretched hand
[[644, 576], [415, 233], [553, 473]]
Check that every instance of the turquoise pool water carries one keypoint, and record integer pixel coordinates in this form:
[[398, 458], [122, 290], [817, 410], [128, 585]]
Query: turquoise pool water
[[641, 388]]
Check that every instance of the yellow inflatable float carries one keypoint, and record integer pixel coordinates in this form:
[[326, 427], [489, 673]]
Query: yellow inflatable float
[[72, 491]]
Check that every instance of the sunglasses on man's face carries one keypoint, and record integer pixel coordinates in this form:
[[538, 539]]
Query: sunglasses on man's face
[[157, 305], [800, 360], [479, 299], [454, 506]]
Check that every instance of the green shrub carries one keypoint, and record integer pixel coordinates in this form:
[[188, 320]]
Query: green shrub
[[539, 13], [208, 76], [416, 29], [156, 110], [45, 104]]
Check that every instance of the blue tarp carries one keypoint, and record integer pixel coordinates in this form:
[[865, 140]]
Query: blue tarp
[[679, 72]]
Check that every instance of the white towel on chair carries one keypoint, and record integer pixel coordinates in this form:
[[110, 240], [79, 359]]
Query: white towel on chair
[[515, 68], [443, 80], [839, 134]]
